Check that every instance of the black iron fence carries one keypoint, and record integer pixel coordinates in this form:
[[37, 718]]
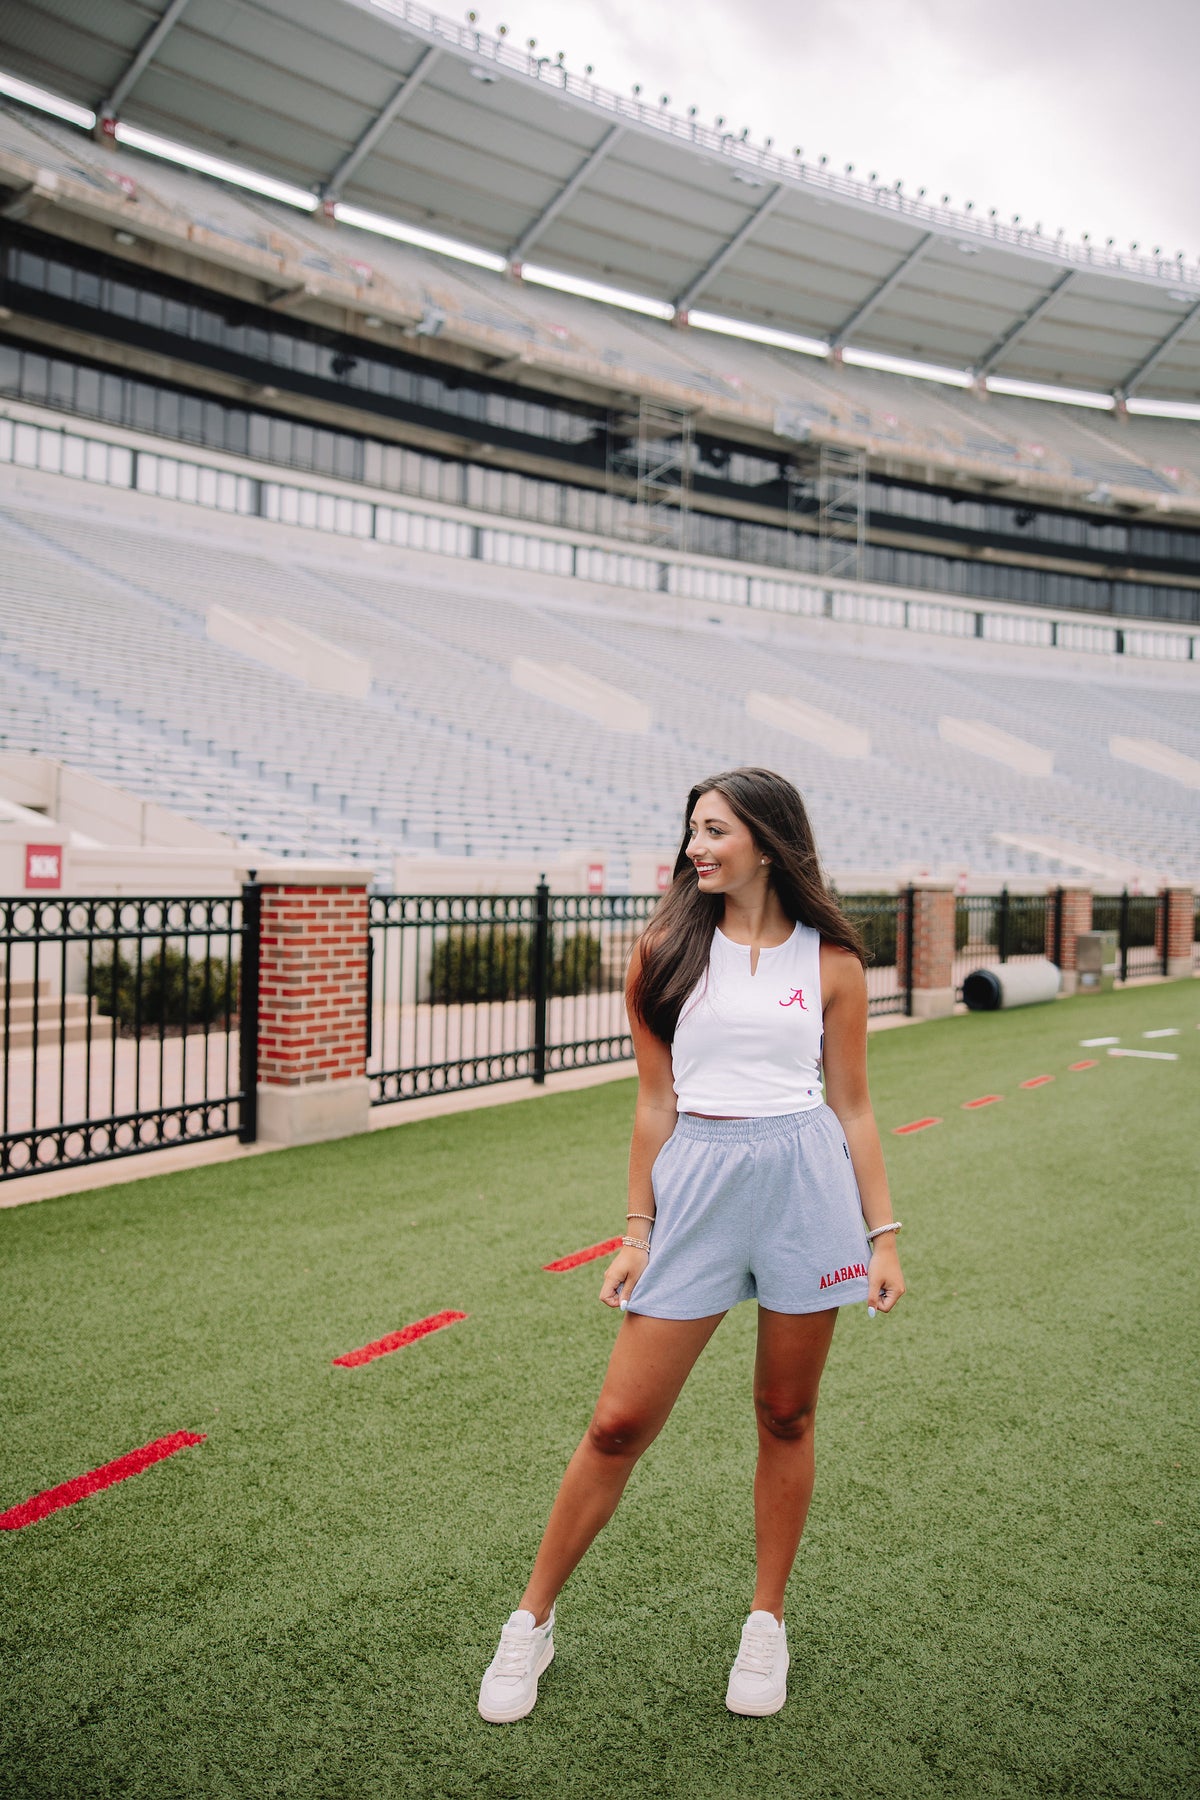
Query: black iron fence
[[884, 922], [469, 989], [119, 1027], [128, 1025], [992, 928], [1138, 921]]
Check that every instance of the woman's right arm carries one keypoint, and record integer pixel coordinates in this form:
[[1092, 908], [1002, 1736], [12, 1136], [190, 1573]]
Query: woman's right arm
[[653, 1122]]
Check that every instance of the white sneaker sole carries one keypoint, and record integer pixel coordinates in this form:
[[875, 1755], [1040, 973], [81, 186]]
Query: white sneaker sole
[[496, 1717], [763, 1709]]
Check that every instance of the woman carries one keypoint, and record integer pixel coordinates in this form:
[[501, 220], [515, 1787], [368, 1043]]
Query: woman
[[743, 1184]]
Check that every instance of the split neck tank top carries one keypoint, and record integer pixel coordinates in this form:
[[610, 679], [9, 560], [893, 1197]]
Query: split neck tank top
[[749, 1046]]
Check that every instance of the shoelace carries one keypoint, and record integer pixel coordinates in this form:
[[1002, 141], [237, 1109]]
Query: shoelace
[[516, 1652], [757, 1653]]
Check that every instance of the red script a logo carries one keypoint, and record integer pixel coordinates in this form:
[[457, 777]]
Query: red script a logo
[[797, 999]]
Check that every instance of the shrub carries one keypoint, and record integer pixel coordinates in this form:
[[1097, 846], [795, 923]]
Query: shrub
[[875, 916], [481, 962], [1142, 914], [174, 990], [576, 967]]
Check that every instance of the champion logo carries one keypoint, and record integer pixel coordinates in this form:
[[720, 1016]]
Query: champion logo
[[847, 1274], [796, 998]]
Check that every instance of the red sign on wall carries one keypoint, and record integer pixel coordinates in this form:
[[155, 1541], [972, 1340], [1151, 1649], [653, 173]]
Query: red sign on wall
[[595, 878], [664, 877], [43, 865]]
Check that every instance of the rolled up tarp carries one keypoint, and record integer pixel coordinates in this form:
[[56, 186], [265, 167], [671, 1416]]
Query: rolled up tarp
[[1000, 985]]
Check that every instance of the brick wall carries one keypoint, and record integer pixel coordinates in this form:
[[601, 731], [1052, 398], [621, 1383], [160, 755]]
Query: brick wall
[[1177, 908], [312, 985], [1076, 917], [932, 948]]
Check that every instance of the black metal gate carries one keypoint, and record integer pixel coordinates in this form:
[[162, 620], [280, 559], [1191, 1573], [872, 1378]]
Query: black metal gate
[[119, 1027], [465, 990]]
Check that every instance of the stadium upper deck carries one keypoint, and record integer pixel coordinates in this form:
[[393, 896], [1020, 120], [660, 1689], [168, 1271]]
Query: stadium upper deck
[[386, 105]]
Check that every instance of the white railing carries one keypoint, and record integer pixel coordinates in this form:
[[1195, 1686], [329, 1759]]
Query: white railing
[[767, 162]]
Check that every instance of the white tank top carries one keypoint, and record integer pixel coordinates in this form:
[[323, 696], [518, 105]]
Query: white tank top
[[749, 1046]]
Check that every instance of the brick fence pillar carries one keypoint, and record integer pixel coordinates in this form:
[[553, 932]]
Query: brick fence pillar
[[312, 986], [1076, 917], [933, 949], [1176, 916]]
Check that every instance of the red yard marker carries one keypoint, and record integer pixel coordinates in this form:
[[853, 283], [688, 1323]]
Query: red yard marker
[[983, 1100], [917, 1125], [396, 1340], [582, 1256], [1037, 1081], [1089, 1063], [67, 1493]]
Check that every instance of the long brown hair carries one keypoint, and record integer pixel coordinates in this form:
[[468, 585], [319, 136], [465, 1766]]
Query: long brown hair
[[676, 944]]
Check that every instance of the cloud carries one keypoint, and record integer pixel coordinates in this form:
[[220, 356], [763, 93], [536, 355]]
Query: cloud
[[1054, 109]]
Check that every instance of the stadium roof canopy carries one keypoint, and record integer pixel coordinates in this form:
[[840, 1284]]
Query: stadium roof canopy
[[386, 106]]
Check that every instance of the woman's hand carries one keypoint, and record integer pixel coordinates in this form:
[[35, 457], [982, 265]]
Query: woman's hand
[[625, 1268], [885, 1280]]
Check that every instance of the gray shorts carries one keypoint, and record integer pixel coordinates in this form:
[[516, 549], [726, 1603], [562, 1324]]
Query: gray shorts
[[764, 1209]]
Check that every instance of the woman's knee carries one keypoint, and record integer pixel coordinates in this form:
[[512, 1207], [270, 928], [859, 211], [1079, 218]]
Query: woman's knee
[[619, 1431], [789, 1417]]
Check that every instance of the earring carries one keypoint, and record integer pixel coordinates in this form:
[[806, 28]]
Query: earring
[[764, 860]]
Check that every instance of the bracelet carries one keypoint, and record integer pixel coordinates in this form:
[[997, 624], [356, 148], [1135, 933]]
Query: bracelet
[[649, 1217], [880, 1229], [634, 1243]]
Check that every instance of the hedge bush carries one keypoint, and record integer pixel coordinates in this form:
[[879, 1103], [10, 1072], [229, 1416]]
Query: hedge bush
[[175, 991], [577, 964], [481, 962]]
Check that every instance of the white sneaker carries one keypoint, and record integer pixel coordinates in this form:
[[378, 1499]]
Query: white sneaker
[[510, 1684], [758, 1679]]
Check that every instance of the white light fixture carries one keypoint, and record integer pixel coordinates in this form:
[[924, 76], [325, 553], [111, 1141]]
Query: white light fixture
[[363, 220], [1163, 409], [597, 290], [44, 101], [151, 144], [758, 334], [904, 365], [1039, 390]]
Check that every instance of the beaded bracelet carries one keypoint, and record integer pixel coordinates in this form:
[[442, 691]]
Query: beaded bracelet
[[880, 1229], [634, 1243], [649, 1217]]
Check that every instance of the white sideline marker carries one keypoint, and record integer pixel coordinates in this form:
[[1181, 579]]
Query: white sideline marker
[[1096, 1043], [1167, 1031], [1150, 1055]]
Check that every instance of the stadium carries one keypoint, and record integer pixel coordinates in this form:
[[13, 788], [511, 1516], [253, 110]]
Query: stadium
[[418, 465]]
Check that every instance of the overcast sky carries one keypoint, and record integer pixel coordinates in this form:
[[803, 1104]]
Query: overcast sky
[[1079, 113]]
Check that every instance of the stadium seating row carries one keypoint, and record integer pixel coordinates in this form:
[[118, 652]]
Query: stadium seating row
[[106, 663]]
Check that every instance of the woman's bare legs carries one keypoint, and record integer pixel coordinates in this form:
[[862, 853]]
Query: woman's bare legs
[[651, 1360], [787, 1373]]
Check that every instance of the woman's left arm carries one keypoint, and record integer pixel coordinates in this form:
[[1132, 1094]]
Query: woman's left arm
[[844, 993]]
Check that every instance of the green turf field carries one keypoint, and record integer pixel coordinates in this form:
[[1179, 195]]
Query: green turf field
[[997, 1591]]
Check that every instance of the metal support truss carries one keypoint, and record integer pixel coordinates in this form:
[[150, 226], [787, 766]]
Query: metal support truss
[[1180, 329], [880, 293], [332, 188], [533, 231], [991, 357], [145, 53], [650, 464], [842, 511], [730, 248]]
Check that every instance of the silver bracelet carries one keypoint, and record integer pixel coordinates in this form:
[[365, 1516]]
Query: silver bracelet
[[636, 1243], [880, 1229]]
